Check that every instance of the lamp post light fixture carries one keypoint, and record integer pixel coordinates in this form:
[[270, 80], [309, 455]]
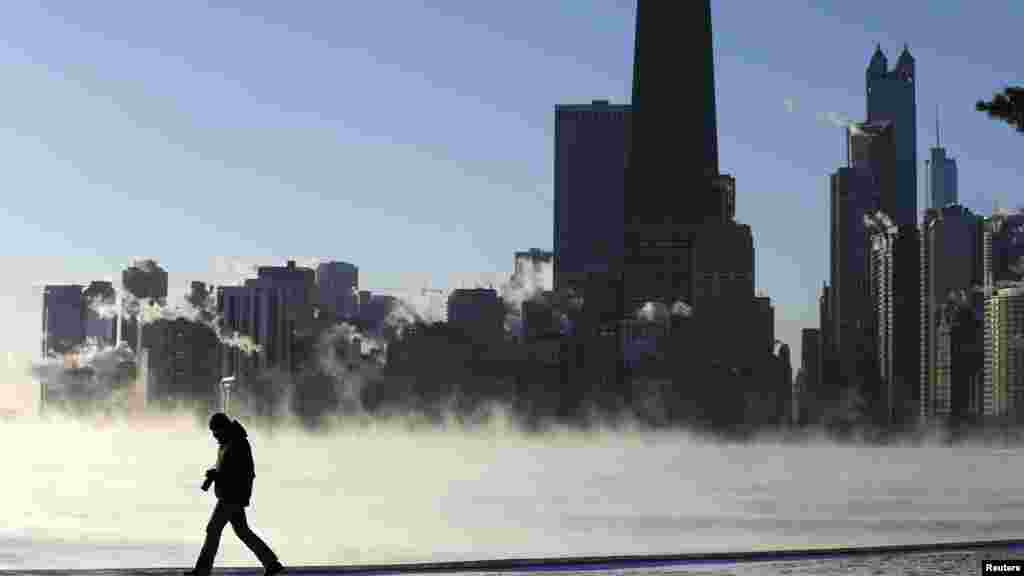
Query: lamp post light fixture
[[225, 384]]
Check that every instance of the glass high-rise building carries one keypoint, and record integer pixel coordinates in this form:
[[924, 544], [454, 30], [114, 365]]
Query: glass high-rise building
[[590, 152], [891, 96], [942, 179]]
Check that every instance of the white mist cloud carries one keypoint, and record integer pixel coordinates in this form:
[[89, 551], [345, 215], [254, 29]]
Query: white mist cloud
[[144, 264], [386, 492], [416, 306], [839, 121], [104, 308], [879, 222], [527, 284], [682, 309], [660, 312], [652, 312], [234, 270], [1018, 266], [147, 311], [339, 355]]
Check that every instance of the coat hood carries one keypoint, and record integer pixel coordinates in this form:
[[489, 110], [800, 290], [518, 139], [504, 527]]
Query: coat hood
[[237, 431]]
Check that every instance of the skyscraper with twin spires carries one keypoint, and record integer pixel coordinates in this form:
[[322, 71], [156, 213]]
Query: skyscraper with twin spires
[[891, 97]]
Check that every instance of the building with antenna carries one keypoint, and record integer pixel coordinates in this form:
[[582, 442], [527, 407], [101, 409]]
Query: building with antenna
[[942, 174], [870, 334]]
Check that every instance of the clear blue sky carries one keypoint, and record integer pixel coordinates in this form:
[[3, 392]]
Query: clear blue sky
[[415, 140]]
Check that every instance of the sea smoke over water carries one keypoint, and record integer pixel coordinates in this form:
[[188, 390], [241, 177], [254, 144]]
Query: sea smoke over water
[[479, 488]]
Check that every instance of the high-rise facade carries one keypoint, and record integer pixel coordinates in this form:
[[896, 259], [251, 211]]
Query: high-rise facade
[[1003, 251], [850, 330], [810, 367], [182, 362], [891, 96], [951, 248], [590, 155], [1003, 272], [870, 337], [478, 312], [942, 177], [637, 224], [956, 394], [873, 151], [100, 327], [276, 311], [63, 326], [895, 286], [673, 36], [1004, 354], [681, 240], [337, 285]]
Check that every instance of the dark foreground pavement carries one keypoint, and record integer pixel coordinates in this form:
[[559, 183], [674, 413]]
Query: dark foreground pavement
[[957, 557]]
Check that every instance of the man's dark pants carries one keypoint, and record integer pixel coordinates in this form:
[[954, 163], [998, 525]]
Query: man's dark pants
[[223, 513]]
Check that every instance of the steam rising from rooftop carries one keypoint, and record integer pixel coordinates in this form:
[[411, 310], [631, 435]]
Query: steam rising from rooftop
[[660, 312], [879, 222], [148, 311], [840, 121], [836, 119]]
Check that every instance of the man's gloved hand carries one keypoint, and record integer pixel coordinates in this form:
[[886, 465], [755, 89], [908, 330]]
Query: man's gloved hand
[[210, 477]]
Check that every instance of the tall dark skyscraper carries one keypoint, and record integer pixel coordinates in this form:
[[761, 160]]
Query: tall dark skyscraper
[[951, 260], [63, 319], [643, 215], [681, 242], [849, 329], [590, 150], [676, 200], [874, 324], [891, 96], [672, 182]]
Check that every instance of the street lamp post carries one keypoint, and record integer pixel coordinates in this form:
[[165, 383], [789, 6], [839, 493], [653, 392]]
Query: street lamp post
[[225, 384]]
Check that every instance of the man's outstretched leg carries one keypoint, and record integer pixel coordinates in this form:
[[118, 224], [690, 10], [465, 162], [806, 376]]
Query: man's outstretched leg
[[255, 543], [222, 514]]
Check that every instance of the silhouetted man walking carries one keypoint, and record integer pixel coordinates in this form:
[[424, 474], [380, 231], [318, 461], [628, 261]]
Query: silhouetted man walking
[[232, 478]]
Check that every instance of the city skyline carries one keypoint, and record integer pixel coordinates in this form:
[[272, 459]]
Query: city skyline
[[786, 267]]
